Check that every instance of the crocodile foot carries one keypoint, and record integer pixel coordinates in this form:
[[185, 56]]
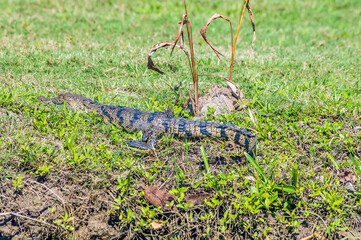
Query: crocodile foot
[[139, 144]]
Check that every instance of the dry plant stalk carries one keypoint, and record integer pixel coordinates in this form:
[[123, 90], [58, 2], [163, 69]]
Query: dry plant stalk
[[185, 20], [194, 73], [246, 4], [253, 27]]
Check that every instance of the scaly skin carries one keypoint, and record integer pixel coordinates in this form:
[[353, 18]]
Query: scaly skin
[[155, 124]]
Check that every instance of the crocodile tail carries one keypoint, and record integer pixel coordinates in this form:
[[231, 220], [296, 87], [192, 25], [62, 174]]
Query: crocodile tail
[[227, 131], [236, 134]]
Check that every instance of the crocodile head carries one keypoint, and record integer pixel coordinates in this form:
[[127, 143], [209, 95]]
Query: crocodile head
[[76, 101]]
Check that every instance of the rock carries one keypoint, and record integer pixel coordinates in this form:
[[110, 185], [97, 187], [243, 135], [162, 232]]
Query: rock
[[220, 99]]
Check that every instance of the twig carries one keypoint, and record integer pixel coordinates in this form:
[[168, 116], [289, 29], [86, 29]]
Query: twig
[[29, 218], [119, 235], [62, 200], [253, 26], [315, 235], [194, 73], [309, 237]]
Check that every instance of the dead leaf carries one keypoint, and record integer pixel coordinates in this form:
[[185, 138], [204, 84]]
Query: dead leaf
[[196, 199], [236, 92], [151, 65], [204, 30], [180, 34], [158, 198], [345, 175], [156, 225]]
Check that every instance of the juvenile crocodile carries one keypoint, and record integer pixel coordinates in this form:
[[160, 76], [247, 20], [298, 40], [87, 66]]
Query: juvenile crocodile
[[155, 124]]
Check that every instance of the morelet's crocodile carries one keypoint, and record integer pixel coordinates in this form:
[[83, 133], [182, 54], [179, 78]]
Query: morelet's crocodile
[[155, 124]]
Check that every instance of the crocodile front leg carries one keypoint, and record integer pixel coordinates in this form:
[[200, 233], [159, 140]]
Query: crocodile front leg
[[151, 135]]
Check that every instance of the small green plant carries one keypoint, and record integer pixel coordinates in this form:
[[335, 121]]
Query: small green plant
[[124, 184], [283, 188], [333, 161], [17, 183], [43, 170], [356, 164], [51, 210], [205, 160], [336, 225], [28, 155], [118, 202], [180, 193], [69, 140], [65, 222], [333, 199], [180, 176]]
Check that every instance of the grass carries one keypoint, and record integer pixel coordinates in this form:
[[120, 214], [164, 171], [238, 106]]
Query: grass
[[76, 173]]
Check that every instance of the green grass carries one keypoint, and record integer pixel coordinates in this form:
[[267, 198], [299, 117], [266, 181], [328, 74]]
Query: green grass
[[305, 92]]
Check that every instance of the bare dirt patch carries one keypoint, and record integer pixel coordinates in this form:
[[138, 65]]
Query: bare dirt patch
[[49, 200]]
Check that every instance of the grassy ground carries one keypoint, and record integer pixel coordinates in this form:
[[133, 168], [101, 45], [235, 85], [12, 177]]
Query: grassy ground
[[76, 173]]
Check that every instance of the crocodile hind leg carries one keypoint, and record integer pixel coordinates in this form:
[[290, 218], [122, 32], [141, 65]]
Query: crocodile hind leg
[[169, 113], [166, 113], [151, 135]]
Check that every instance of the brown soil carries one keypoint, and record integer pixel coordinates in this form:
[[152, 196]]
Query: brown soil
[[64, 192], [88, 198]]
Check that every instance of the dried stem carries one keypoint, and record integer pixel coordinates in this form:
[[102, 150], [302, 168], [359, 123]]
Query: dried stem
[[191, 98], [235, 42], [253, 26], [194, 73], [315, 235], [26, 217]]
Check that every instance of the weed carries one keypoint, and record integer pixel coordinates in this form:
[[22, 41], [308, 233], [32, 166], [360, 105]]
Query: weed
[[17, 183], [65, 222]]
